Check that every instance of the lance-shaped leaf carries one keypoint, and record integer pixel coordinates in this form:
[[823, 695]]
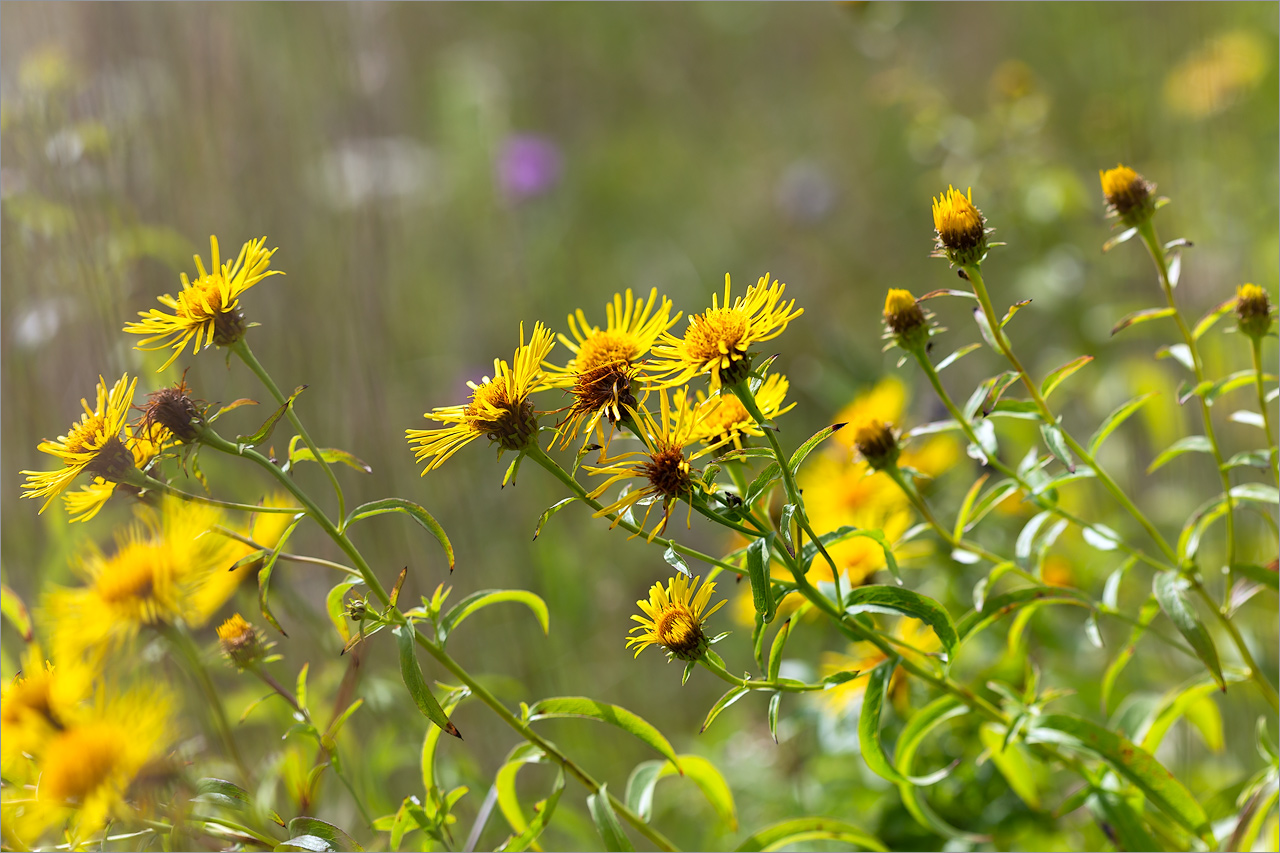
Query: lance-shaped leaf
[[264, 431], [334, 837], [543, 812], [1146, 616], [1131, 762], [758, 571], [1141, 317], [922, 722], [1057, 444], [15, 612], [1113, 421], [1057, 377], [264, 575], [805, 449], [331, 455], [1012, 762], [485, 597], [418, 689], [417, 513], [789, 832], [646, 775], [550, 511], [733, 695], [504, 782], [956, 356], [905, 602], [873, 751], [1002, 605], [1207, 321], [1186, 444], [1168, 589], [607, 822], [581, 707], [336, 606], [1122, 823]]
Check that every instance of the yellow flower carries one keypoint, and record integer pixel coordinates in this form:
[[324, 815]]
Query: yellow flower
[[961, 229], [1128, 194], [499, 407], [716, 342], [153, 578], [673, 618], [1253, 310], [207, 310], [86, 768], [885, 401], [722, 419], [39, 702], [863, 657], [905, 319], [215, 588], [242, 643], [606, 361], [877, 444], [662, 464], [85, 503], [93, 445]]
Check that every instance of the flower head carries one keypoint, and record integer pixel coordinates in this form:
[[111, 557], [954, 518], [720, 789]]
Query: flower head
[[1253, 310], [499, 409], [93, 445], [606, 361], [241, 642], [663, 466], [905, 319], [877, 444], [1128, 195], [172, 411], [84, 503], [722, 419], [39, 702], [673, 618], [208, 309], [717, 342], [961, 228]]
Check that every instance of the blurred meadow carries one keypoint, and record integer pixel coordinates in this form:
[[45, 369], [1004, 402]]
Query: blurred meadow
[[434, 174]]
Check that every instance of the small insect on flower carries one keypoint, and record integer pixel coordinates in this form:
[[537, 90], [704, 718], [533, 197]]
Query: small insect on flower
[[94, 445], [499, 409], [1128, 195], [960, 227], [673, 619], [208, 309], [606, 361], [663, 465], [722, 419], [717, 342], [1253, 310]]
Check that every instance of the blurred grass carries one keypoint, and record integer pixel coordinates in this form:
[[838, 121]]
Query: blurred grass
[[694, 140]]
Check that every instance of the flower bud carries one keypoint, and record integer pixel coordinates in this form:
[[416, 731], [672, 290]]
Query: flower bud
[[960, 227], [905, 319], [1253, 310], [1129, 195], [241, 642], [877, 444]]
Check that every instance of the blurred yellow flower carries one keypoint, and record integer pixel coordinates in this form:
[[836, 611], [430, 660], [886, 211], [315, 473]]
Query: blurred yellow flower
[[93, 445], [722, 419], [716, 342], [241, 642], [1253, 310], [663, 465], [606, 361], [1216, 75], [499, 407], [863, 657], [207, 310], [39, 702], [673, 618]]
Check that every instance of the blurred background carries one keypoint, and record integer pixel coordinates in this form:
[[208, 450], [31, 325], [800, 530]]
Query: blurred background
[[436, 173]]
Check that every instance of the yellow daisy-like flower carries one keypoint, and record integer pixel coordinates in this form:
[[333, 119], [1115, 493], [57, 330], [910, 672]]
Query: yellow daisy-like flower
[[722, 419], [215, 588], [961, 228], [84, 503], [663, 464], [208, 309], [606, 361], [1128, 195], [717, 341], [673, 618], [153, 578], [499, 409], [864, 657], [93, 445], [86, 768], [39, 702]]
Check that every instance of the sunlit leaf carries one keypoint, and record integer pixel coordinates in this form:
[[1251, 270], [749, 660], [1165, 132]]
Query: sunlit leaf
[[607, 822], [409, 508], [905, 602], [789, 832], [1112, 421], [411, 673], [483, 598], [1060, 375], [581, 707]]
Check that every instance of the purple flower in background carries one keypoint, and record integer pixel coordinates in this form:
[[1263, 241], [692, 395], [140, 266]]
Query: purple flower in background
[[528, 166]]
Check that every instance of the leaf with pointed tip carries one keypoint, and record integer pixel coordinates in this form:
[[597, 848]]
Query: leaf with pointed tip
[[733, 695], [1141, 317], [335, 605], [789, 832], [1122, 822], [676, 562], [1057, 377], [1122, 237], [1001, 605], [264, 575], [905, 602], [543, 813], [417, 513], [758, 572], [1013, 309], [1057, 444], [483, 598], [1186, 444], [873, 752], [330, 454], [1168, 589], [411, 673], [1113, 421], [922, 722], [264, 431], [607, 822], [1207, 321], [332, 835], [956, 356], [803, 451], [1180, 353], [984, 326], [550, 511], [1014, 764], [581, 707]]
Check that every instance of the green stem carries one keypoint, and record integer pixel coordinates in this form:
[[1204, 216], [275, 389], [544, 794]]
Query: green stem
[[143, 481], [241, 348], [181, 641], [756, 683], [285, 555], [266, 840], [1273, 456], [895, 474], [1259, 678], [1147, 231], [974, 275]]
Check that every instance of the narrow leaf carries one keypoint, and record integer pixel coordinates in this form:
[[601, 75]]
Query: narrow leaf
[[411, 509], [1122, 822], [1207, 321], [479, 600], [264, 431], [1115, 419], [758, 572], [789, 832], [581, 707], [1168, 589], [264, 575], [956, 356], [1186, 444], [412, 675], [607, 822], [1057, 444], [734, 694], [1141, 317], [550, 511], [1057, 377], [15, 612], [332, 835], [1012, 762], [905, 602], [805, 449], [330, 454]]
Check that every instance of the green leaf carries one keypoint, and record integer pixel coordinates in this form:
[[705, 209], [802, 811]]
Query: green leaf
[[1185, 701], [264, 431], [794, 831], [873, 752], [1057, 377], [1115, 419], [1168, 589], [306, 844], [1257, 493], [966, 506], [1130, 761], [905, 602], [1122, 237], [411, 509], [956, 356], [775, 701], [504, 782], [762, 482], [412, 675], [483, 598], [336, 606], [805, 449], [328, 454], [15, 612], [581, 707], [1180, 353], [922, 722], [543, 812], [1012, 762], [426, 763], [1146, 615], [1125, 824], [332, 835], [1013, 309], [300, 689], [220, 792], [1141, 317], [1187, 444], [1257, 574], [550, 511], [984, 326], [646, 775], [264, 575], [1002, 605], [607, 822], [994, 495], [733, 695], [1057, 444], [758, 572], [1026, 538], [775, 651], [1227, 384]]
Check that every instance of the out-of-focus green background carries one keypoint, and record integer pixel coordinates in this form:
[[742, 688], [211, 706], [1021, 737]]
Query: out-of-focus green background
[[436, 173]]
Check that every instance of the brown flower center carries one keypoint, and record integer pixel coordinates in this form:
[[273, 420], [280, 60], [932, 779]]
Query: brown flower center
[[513, 426], [680, 632], [669, 472]]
